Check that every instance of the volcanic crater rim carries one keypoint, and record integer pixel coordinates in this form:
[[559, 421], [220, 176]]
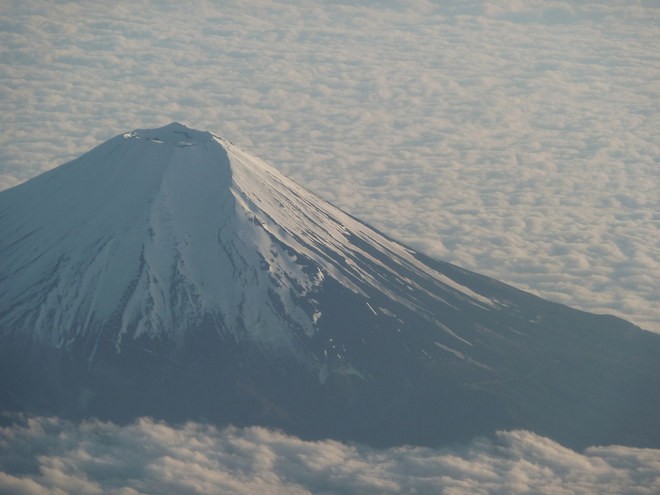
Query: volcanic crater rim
[[174, 134]]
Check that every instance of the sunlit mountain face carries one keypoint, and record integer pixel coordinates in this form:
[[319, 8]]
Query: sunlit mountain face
[[169, 273]]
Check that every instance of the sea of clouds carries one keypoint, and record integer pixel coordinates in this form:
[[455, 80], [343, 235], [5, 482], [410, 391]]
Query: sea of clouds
[[516, 139], [54, 457]]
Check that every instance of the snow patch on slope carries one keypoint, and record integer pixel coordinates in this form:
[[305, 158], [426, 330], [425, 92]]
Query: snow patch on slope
[[315, 228]]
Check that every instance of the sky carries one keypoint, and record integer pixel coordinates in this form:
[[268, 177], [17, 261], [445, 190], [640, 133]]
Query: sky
[[518, 139]]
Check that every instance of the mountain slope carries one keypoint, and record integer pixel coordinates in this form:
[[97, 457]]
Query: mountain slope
[[167, 272]]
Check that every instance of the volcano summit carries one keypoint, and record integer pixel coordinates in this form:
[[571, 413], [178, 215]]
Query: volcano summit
[[169, 273]]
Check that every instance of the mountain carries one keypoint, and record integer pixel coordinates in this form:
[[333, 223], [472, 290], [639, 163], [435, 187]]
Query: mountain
[[169, 273]]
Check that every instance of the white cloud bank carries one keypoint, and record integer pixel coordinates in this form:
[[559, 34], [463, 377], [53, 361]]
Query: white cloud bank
[[517, 139], [52, 456]]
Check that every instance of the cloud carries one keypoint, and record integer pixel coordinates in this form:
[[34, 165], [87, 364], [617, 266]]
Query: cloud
[[517, 139], [49, 455]]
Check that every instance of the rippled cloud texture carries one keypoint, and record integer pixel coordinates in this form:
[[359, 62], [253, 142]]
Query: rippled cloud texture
[[517, 139], [50, 456]]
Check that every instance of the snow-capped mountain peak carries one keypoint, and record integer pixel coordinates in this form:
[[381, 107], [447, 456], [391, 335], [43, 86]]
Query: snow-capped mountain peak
[[168, 272], [165, 228]]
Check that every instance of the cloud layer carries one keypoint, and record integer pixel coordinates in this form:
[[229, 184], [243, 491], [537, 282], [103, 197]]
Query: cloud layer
[[517, 139], [51, 456]]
